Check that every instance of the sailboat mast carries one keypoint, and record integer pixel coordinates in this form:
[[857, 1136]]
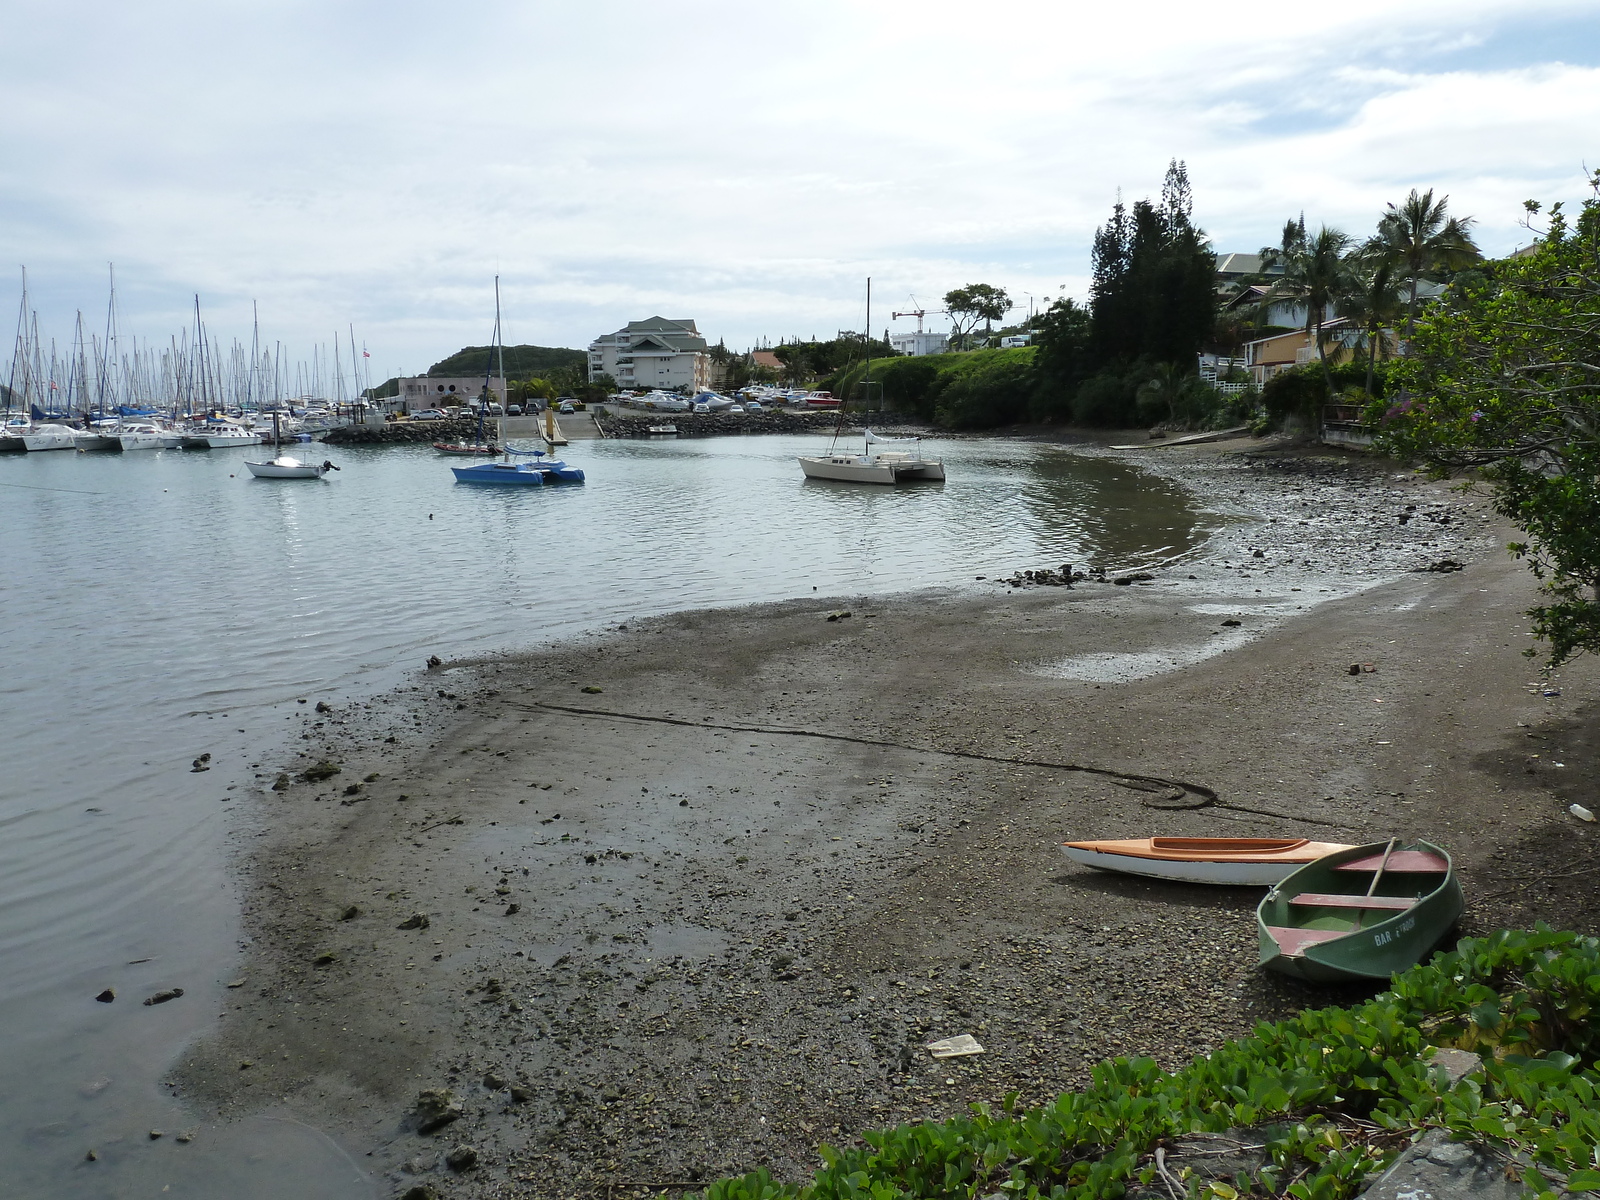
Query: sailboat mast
[[200, 348], [500, 344], [488, 365], [20, 350], [255, 356], [106, 357], [838, 426]]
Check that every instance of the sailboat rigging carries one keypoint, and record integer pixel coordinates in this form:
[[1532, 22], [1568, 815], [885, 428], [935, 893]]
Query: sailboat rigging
[[897, 460], [507, 472]]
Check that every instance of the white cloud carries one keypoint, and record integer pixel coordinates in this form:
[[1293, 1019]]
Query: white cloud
[[745, 165]]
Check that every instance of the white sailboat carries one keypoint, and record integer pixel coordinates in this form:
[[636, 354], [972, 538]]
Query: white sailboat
[[285, 467], [899, 460], [896, 465], [289, 468]]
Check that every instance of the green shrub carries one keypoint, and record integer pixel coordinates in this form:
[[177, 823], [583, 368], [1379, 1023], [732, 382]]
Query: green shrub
[[987, 388], [1299, 392], [1335, 1092], [975, 390]]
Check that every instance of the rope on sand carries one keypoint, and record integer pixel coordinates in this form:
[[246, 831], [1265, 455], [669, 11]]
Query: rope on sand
[[1160, 792]]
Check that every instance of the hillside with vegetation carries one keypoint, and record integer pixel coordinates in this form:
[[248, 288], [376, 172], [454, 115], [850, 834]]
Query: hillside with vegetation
[[521, 362]]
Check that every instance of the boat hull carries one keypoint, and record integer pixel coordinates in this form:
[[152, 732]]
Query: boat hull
[[218, 441], [98, 441], [149, 441], [518, 474], [1350, 943], [1226, 862], [36, 442], [290, 469], [500, 475], [850, 468]]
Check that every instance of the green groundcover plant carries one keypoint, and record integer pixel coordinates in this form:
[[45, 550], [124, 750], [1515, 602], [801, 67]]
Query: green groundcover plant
[[1335, 1094]]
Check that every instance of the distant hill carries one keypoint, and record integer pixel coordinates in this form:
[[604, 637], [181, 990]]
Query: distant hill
[[522, 362]]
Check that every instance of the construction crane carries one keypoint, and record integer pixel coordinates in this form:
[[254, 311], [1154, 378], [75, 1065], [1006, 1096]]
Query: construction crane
[[919, 313]]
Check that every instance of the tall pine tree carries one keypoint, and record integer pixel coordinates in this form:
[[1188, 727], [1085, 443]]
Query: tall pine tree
[[1153, 293]]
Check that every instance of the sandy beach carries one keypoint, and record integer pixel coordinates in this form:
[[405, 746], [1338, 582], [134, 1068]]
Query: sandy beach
[[688, 896]]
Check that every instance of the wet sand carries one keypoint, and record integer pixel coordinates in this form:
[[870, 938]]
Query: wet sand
[[687, 897]]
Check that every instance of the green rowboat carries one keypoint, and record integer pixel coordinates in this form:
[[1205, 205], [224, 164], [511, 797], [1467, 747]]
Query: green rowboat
[[1362, 913]]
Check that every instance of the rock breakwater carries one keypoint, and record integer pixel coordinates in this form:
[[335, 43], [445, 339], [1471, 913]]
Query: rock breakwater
[[404, 432], [719, 424]]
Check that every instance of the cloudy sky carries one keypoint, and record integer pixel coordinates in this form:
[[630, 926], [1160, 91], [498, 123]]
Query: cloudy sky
[[748, 165]]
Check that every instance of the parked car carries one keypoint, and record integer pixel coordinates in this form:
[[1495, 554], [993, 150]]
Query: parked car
[[427, 414], [736, 408], [566, 407], [513, 410], [753, 406]]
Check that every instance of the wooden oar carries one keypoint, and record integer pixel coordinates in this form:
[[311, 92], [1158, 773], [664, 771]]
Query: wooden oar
[[1372, 887]]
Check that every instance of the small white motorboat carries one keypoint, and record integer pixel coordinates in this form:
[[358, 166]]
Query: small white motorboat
[[289, 468]]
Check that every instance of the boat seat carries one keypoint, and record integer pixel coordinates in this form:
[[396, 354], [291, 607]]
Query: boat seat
[[1328, 900], [1293, 942], [1416, 861]]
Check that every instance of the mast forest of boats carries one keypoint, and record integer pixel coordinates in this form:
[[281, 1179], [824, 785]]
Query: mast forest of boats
[[188, 389]]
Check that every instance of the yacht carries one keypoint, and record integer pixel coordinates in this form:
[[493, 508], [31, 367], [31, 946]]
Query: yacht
[[51, 437], [215, 437], [143, 435]]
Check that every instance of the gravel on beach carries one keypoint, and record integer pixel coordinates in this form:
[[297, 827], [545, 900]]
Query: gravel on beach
[[689, 896]]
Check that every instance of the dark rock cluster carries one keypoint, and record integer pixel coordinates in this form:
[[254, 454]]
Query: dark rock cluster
[[1045, 577]]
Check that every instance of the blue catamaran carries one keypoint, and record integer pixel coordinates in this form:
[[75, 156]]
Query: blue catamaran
[[507, 472]]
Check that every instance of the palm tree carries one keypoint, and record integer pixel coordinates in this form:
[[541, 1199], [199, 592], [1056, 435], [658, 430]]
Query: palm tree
[[1167, 386], [1291, 243], [1424, 242], [1375, 302], [1316, 273]]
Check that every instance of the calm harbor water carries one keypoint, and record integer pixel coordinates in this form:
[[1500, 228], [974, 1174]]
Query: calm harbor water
[[164, 605]]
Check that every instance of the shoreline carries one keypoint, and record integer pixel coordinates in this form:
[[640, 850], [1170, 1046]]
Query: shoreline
[[731, 943]]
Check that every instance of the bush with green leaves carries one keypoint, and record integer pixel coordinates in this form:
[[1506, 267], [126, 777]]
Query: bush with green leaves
[[975, 390], [1335, 1092]]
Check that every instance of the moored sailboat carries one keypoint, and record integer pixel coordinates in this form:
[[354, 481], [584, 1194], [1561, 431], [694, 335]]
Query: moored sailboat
[[903, 463], [536, 472], [284, 467]]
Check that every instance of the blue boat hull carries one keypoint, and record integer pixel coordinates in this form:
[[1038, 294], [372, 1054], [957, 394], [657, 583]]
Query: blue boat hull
[[518, 474]]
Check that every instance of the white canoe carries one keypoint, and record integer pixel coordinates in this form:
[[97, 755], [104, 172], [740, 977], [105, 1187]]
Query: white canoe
[[1235, 862]]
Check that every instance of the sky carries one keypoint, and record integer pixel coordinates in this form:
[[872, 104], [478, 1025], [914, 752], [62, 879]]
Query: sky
[[376, 165]]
